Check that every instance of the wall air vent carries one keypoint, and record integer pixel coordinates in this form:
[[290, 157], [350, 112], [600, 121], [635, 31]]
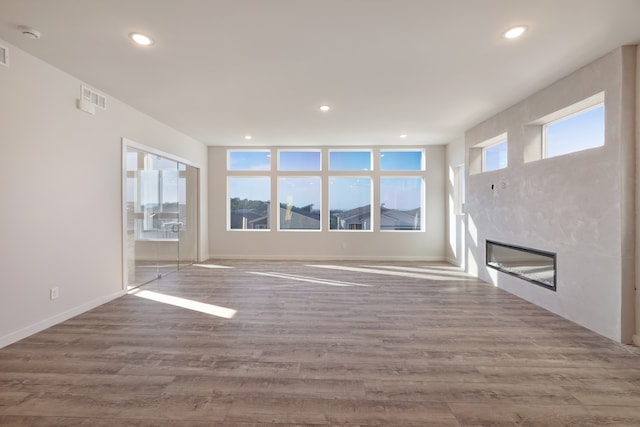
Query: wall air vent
[[89, 95], [4, 56]]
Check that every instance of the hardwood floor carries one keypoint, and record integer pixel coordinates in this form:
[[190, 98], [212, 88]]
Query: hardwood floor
[[379, 344]]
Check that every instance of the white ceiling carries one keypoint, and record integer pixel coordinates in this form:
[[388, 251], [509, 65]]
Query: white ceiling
[[221, 69]]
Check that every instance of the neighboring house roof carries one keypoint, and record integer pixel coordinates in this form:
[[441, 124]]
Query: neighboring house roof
[[299, 218], [252, 217], [396, 219], [389, 218]]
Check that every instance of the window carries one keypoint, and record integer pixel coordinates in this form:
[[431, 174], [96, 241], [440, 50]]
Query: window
[[401, 203], [299, 160], [458, 189], [404, 160], [494, 156], [350, 203], [576, 132], [249, 160], [355, 160], [249, 201], [306, 193], [299, 203]]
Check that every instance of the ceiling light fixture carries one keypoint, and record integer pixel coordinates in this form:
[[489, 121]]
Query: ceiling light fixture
[[403, 136], [248, 137], [514, 32], [324, 108], [141, 39]]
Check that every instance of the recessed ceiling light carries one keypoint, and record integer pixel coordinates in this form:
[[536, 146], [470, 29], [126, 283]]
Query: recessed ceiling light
[[324, 108], [514, 32], [403, 136], [248, 137], [141, 39]]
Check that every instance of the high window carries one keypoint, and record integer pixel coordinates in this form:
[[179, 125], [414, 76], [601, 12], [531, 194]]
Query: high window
[[494, 156], [401, 160], [249, 160], [578, 131], [299, 160], [350, 160]]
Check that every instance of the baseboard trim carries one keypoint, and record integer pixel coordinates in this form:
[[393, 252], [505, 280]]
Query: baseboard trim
[[54, 320], [326, 258]]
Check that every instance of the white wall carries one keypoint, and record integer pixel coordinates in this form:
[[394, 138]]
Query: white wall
[[61, 194], [428, 245], [579, 205], [456, 221]]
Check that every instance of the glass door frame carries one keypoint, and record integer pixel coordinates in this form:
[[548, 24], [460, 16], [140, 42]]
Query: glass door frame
[[126, 145]]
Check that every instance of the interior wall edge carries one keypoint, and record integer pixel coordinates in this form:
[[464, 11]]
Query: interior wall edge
[[636, 336]]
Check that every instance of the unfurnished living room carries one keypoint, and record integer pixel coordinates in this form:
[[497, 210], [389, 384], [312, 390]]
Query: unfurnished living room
[[320, 213]]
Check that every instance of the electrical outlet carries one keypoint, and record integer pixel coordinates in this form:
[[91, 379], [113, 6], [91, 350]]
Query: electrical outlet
[[55, 293]]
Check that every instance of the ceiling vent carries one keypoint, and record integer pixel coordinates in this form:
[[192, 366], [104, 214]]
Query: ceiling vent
[[92, 97], [4, 56]]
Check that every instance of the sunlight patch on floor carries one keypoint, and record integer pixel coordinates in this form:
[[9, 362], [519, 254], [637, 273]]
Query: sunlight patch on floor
[[201, 307], [211, 266], [435, 276], [309, 279], [441, 273]]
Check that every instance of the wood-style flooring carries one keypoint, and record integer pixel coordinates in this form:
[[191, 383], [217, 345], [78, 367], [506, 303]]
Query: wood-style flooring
[[315, 343]]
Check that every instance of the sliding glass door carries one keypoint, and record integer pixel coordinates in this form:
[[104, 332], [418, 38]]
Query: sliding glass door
[[161, 215]]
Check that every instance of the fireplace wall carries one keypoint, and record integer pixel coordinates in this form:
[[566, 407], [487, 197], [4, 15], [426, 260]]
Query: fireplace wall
[[579, 206]]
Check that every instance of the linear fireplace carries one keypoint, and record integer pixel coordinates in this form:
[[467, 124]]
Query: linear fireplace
[[533, 265]]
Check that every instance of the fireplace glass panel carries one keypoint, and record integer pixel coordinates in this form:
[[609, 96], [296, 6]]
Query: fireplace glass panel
[[533, 265]]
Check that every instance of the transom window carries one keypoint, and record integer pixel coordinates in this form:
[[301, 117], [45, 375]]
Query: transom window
[[403, 160], [350, 160], [299, 160], [579, 131], [249, 160], [494, 154]]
